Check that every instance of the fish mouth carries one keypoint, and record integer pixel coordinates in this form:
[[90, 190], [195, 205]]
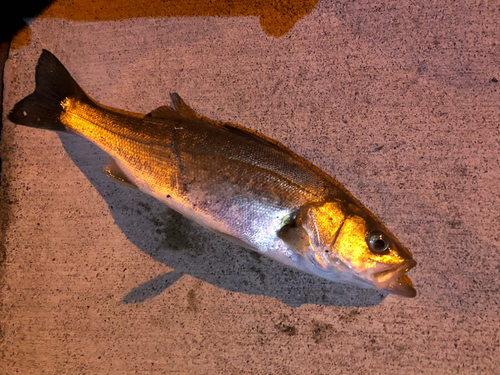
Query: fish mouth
[[395, 281]]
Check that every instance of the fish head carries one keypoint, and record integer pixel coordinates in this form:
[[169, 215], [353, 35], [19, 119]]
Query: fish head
[[348, 241]]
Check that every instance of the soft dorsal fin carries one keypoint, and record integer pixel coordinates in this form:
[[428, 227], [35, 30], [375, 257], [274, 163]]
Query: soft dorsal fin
[[180, 110], [116, 173], [166, 112]]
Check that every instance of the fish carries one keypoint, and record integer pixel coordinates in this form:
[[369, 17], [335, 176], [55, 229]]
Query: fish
[[240, 184]]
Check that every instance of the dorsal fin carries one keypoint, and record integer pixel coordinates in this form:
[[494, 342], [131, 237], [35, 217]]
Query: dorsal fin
[[165, 111], [254, 136], [180, 110]]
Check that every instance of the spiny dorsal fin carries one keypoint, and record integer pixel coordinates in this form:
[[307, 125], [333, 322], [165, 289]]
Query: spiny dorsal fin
[[180, 110], [245, 133], [115, 173]]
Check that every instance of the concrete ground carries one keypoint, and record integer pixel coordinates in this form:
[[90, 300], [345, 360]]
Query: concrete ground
[[399, 100]]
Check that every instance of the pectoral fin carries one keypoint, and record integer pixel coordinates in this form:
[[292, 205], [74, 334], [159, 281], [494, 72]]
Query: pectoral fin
[[114, 172], [295, 238]]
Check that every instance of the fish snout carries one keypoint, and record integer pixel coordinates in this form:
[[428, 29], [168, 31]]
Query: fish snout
[[395, 281]]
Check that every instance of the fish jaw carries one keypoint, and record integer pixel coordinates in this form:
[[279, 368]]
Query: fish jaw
[[392, 280], [402, 287], [384, 278], [395, 280]]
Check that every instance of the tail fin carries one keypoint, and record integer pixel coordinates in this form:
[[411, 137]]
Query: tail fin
[[43, 108]]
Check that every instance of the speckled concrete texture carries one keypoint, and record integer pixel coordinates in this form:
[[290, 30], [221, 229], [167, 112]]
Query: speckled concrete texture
[[397, 100]]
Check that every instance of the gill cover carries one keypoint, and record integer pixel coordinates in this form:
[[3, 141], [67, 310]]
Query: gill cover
[[344, 243], [312, 232]]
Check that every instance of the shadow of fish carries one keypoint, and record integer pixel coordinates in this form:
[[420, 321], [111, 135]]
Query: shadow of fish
[[192, 250], [239, 184]]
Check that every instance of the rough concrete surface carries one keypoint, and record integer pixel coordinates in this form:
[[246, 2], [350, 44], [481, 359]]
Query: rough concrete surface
[[399, 100]]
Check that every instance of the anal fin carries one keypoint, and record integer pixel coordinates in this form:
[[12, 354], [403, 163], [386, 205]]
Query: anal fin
[[115, 173]]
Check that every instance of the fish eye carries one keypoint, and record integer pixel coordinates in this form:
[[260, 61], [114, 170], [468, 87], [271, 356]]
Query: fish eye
[[378, 243]]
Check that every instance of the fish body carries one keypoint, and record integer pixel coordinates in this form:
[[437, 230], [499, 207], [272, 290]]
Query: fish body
[[243, 186]]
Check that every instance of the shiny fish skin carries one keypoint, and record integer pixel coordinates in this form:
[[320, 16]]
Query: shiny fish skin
[[241, 185]]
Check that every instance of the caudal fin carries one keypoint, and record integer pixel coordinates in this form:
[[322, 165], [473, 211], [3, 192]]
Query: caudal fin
[[43, 108]]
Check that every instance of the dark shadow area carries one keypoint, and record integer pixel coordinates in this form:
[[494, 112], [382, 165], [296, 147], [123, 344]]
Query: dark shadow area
[[4, 53], [277, 17], [4, 205], [190, 249], [12, 16], [11, 21]]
